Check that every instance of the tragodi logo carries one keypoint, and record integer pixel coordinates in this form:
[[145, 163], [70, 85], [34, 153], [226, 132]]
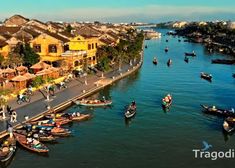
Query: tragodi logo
[[213, 155]]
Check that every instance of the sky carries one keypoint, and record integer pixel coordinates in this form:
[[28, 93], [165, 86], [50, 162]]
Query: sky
[[120, 10]]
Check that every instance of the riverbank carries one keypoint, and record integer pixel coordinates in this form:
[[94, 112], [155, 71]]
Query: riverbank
[[67, 97]]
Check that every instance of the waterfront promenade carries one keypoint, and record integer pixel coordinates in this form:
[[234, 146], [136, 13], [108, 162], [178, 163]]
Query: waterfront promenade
[[77, 89]]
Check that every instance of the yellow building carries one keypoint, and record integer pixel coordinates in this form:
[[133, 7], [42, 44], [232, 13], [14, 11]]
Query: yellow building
[[4, 48], [88, 44], [49, 46]]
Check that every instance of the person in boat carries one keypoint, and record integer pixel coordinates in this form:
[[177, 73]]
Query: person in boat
[[213, 108], [164, 101], [76, 114], [169, 97], [103, 100], [133, 105], [232, 110]]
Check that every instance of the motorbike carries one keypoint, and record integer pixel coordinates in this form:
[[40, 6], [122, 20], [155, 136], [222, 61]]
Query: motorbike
[[25, 99]]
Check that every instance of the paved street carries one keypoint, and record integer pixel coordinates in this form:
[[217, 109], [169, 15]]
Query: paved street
[[38, 101]]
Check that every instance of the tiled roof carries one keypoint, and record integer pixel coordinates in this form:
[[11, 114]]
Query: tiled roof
[[31, 31], [6, 36], [88, 31], [66, 34], [3, 43], [10, 30], [57, 36]]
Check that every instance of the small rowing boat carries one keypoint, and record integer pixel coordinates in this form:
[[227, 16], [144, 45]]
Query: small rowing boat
[[131, 110], [7, 149], [166, 49], [229, 124], [193, 54], [206, 76], [73, 117], [94, 103], [155, 61], [218, 111], [169, 62], [166, 102], [31, 144]]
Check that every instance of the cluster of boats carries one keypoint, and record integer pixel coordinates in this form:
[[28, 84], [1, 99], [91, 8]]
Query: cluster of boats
[[34, 133], [229, 121]]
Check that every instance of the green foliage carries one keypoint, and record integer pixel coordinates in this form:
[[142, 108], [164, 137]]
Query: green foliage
[[29, 55], [13, 60], [49, 80], [103, 64], [38, 81], [5, 92], [1, 59], [123, 52], [69, 28]]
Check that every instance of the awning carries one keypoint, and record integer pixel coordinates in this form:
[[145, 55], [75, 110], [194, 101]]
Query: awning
[[19, 78]]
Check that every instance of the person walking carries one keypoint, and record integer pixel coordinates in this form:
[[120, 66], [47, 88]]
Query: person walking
[[10, 129], [14, 116]]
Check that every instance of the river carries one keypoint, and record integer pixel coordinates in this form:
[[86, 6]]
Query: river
[[153, 138]]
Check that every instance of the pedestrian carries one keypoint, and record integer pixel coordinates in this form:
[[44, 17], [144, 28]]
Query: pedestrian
[[10, 129], [14, 116]]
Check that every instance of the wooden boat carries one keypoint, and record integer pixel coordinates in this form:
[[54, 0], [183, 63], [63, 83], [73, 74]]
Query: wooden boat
[[7, 149], [169, 62], [222, 61], [217, 111], [40, 135], [166, 104], [130, 112], [166, 49], [34, 146], [229, 124], [94, 103], [72, 117], [193, 54], [56, 131], [186, 59], [155, 61], [206, 76], [81, 117], [52, 122]]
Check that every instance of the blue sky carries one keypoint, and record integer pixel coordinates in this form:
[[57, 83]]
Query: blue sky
[[120, 10]]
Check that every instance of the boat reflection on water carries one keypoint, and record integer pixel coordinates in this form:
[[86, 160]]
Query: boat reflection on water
[[128, 121]]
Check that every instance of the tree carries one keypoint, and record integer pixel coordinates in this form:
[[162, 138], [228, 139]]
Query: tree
[[38, 81], [1, 59], [13, 60], [30, 57], [69, 28]]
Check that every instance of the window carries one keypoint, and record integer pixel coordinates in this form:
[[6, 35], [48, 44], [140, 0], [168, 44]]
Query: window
[[52, 48], [89, 46], [96, 45], [37, 48], [94, 58], [92, 46]]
